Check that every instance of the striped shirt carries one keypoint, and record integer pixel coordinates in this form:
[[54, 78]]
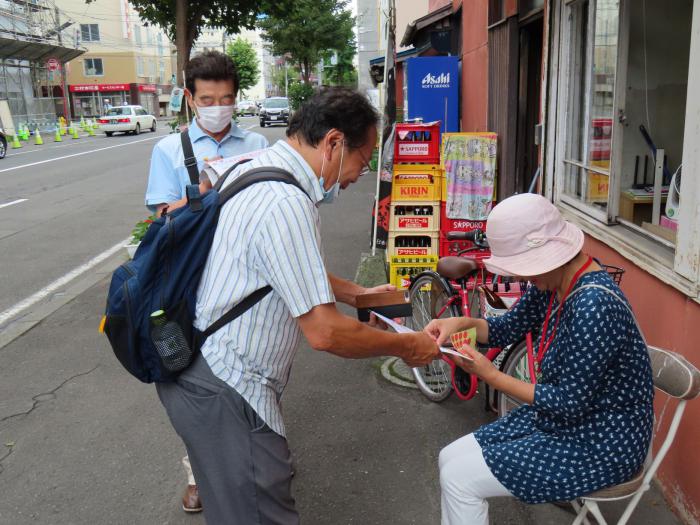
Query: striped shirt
[[267, 234]]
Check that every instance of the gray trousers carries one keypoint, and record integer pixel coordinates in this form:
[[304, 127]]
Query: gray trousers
[[243, 468]]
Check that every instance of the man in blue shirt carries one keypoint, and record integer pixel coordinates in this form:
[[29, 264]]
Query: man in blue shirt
[[211, 87], [212, 83]]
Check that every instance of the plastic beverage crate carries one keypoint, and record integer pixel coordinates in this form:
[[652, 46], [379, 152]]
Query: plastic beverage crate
[[458, 225], [416, 182], [454, 247], [416, 217], [417, 143], [401, 269], [413, 244]]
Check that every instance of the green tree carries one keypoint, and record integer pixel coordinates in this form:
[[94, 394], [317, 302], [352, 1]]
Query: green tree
[[343, 72], [246, 60], [308, 30], [298, 93], [183, 21]]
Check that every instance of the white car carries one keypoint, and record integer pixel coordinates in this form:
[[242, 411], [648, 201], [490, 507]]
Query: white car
[[127, 119], [247, 107]]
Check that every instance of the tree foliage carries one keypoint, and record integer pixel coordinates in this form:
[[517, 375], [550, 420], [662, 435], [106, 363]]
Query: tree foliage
[[308, 30], [298, 93], [343, 72], [183, 21], [246, 60]]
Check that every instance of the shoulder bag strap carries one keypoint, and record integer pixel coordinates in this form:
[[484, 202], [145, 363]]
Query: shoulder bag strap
[[190, 159]]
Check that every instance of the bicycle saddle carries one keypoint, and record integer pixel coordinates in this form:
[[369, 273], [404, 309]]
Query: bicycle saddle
[[455, 268]]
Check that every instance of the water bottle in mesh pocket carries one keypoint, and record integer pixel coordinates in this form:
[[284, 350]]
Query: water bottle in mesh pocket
[[170, 342]]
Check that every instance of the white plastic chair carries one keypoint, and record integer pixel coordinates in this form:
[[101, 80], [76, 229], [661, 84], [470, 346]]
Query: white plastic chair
[[678, 378]]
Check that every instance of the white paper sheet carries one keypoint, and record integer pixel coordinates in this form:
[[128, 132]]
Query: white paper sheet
[[401, 329]]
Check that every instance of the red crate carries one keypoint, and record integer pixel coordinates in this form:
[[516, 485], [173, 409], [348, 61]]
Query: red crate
[[417, 143], [453, 247], [458, 225]]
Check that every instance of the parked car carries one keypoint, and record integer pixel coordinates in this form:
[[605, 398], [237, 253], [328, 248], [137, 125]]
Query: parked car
[[3, 144], [274, 110], [126, 119], [247, 107]]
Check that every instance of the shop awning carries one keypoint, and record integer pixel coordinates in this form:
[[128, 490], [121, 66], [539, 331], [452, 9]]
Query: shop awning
[[376, 65], [36, 51], [425, 21]]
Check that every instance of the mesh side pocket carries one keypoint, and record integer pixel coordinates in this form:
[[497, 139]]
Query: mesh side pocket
[[171, 339]]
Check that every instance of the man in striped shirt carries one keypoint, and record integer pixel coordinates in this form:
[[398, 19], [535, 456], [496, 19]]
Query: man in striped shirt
[[226, 405]]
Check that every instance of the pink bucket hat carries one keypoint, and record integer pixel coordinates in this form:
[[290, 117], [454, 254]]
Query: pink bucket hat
[[528, 237]]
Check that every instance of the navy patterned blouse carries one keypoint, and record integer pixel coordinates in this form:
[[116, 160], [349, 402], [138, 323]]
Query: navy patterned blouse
[[591, 421]]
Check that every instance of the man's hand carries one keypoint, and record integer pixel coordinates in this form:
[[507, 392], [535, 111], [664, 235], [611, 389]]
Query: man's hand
[[422, 351], [441, 329], [380, 288]]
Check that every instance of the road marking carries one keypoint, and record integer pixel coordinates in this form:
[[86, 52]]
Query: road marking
[[86, 139], [13, 202], [60, 282], [79, 154]]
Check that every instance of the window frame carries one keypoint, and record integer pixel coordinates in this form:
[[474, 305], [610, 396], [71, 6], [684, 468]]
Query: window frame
[[90, 33], [139, 67], [92, 60], [678, 267]]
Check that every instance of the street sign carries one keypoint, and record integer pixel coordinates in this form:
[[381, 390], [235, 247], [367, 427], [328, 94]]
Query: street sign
[[52, 64]]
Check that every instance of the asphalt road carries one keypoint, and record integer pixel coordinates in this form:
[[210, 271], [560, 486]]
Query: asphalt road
[[81, 442]]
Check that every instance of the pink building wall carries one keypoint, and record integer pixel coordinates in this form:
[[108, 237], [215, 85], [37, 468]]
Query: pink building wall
[[668, 319]]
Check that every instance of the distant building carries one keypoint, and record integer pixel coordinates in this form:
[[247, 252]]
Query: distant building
[[33, 55], [127, 61]]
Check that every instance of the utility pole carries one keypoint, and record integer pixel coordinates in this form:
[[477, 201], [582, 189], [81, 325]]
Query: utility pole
[[286, 79]]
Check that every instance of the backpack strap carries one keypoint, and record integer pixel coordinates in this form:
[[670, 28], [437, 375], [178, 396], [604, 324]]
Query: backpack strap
[[190, 159], [262, 174]]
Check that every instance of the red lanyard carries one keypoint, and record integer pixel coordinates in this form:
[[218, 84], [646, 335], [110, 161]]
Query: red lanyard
[[544, 345]]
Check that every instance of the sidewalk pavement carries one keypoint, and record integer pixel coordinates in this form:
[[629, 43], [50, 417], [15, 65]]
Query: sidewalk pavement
[[81, 442]]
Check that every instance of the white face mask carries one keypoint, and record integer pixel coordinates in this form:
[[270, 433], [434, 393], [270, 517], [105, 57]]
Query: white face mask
[[214, 118]]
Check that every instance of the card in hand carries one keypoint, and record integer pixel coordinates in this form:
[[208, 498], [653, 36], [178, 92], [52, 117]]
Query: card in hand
[[465, 337]]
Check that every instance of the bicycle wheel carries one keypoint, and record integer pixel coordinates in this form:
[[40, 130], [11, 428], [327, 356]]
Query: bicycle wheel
[[429, 295], [514, 365]]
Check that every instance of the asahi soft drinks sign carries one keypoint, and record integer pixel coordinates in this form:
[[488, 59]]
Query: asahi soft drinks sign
[[433, 91]]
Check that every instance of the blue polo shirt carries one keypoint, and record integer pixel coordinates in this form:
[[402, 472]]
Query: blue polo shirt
[[168, 176]]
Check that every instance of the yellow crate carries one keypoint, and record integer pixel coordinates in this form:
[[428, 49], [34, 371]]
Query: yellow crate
[[402, 268], [403, 217], [413, 244], [416, 182]]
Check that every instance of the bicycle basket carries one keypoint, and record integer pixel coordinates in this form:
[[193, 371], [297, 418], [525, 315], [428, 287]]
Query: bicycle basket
[[615, 272]]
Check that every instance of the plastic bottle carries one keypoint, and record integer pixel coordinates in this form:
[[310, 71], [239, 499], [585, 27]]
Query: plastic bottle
[[170, 342], [494, 300]]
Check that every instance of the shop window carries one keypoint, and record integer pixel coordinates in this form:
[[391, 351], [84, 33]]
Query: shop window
[[622, 77], [89, 32], [93, 67]]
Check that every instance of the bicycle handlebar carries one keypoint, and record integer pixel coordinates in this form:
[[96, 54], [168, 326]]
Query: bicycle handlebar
[[478, 237]]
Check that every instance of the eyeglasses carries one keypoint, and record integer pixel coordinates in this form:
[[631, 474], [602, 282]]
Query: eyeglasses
[[365, 165]]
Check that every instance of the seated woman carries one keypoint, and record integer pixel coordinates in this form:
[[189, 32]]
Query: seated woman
[[587, 423]]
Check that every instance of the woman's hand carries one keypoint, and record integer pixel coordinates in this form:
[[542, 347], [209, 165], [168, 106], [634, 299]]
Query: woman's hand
[[477, 364], [441, 329]]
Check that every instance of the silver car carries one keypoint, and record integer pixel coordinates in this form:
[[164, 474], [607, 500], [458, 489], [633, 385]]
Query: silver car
[[126, 119], [247, 107], [274, 110]]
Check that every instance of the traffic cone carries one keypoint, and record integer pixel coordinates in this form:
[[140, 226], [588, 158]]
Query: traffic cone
[[63, 128], [90, 131], [75, 133], [16, 144], [57, 137], [37, 138], [21, 133]]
